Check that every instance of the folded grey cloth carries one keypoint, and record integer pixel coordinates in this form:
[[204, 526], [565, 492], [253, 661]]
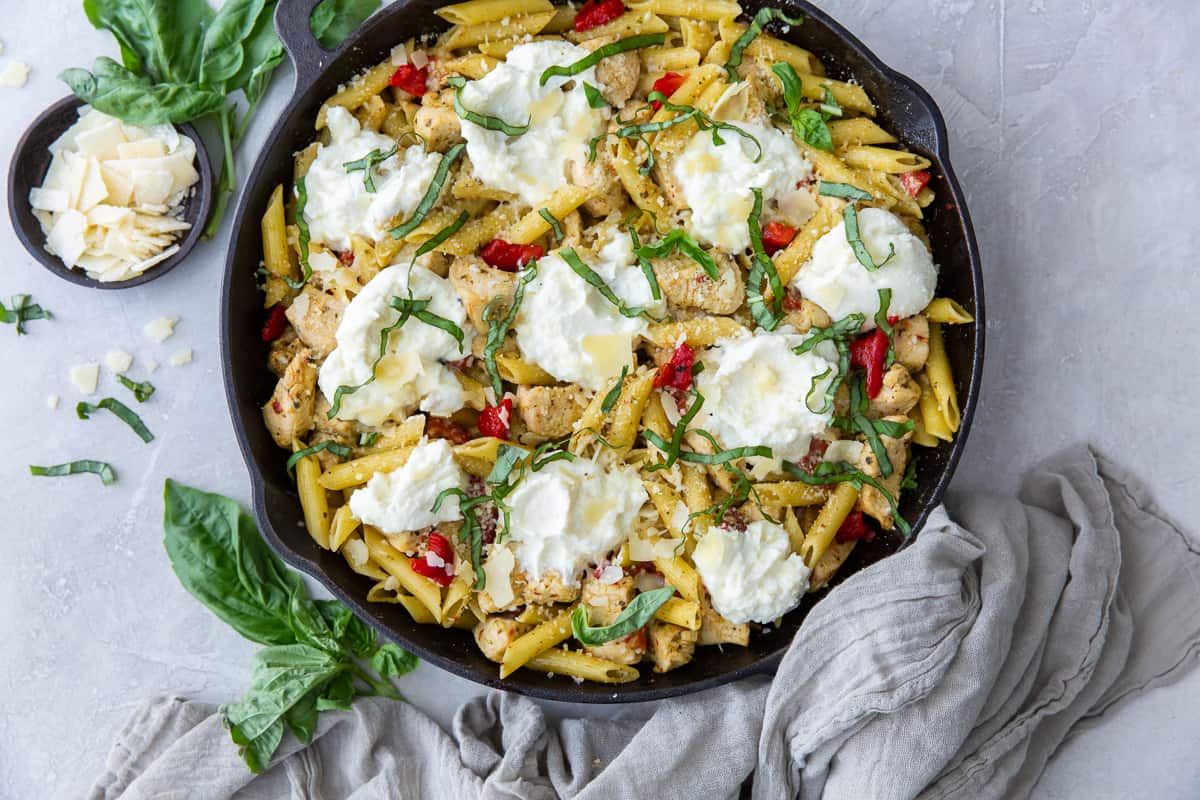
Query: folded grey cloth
[[953, 669]]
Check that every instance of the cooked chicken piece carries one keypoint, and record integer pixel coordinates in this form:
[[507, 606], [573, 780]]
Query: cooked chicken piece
[[344, 431], [808, 316], [495, 634], [288, 414], [604, 603], [407, 542], [477, 284], [671, 646], [870, 501], [439, 125], [911, 339], [608, 195], [572, 230], [617, 75], [315, 315], [282, 351], [551, 411], [715, 629], [832, 560], [550, 588], [899, 393], [685, 284]]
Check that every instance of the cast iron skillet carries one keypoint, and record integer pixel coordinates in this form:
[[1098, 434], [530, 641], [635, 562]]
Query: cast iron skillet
[[904, 108]]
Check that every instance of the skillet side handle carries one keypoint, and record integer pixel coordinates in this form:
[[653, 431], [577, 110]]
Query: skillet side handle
[[291, 23]]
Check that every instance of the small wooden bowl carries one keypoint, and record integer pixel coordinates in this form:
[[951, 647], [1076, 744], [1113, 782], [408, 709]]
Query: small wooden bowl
[[31, 160]]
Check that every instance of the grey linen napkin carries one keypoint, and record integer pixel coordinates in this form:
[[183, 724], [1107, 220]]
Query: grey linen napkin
[[953, 669]]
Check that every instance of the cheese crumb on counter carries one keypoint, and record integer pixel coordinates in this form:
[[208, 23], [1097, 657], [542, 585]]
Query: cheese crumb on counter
[[151, 365], [14, 75], [52, 401], [111, 203], [161, 329], [184, 356], [85, 377], [118, 361]]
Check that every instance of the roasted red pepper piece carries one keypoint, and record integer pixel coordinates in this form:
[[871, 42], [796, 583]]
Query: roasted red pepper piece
[[276, 323], [594, 13], [346, 258], [509, 257], [497, 420], [442, 428], [914, 182], [677, 373], [855, 528], [410, 79], [776, 236], [869, 352], [668, 84], [439, 547]]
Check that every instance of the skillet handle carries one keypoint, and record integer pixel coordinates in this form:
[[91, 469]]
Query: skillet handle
[[308, 57]]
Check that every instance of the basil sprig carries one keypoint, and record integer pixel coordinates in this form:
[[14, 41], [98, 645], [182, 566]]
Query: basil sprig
[[485, 121], [850, 218], [317, 655], [809, 124], [828, 473], [431, 194], [304, 238], [590, 276], [142, 390], [498, 326], [677, 240], [104, 470], [84, 410], [22, 312], [553, 222], [599, 54], [633, 617], [614, 393], [367, 164], [339, 450], [761, 19], [844, 191], [766, 317]]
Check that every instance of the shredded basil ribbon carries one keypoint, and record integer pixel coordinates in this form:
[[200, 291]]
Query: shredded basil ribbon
[[105, 471], [408, 308], [860, 423], [594, 98], [545, 454], [881, 322], [631, 619], [671, 449], [844, 191], [485, 121], [840, 333], [120, 411], [141, 391], [22, 312], [760, 20], [807, 123], [431, 194], [553, 222], [433, 242], [614, 393], [589, 275], [767, 318], [723, 456], [850, 217], [304, 238], [643, 261], [498, 328], [828, 473], [677, 239], [827, 405], [910, 474], [339, 450], [368, 163], [367, 439], [599, 54], [830, 107]]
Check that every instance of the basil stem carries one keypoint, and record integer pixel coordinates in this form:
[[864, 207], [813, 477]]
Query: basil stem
[[614, 393], [594, 98], [141, 391], [632, 618], [368, 163], [643, 261], [485, 121], [595, 281], [22, 312], [881, 322], [498, 328], [677, 239], [767, 318], [441, 236], [339, 450], [304, 238], [671, 449], [808, 124], [760, 20], [553, 222], [105, 471], [599, 54], [850, 217], [828, 473], [431, 194], [121, 411], [844, 191]]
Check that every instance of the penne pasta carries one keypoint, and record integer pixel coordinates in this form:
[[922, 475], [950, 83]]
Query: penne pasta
[[883, 159], [313, 500], [680, 574], [534, 226], [360, 470], [461, 37], [947, 312], [476, 12], [342, 527], [684, 613], [829, 520], [941, 380], [399, 567], [858, 131], [520, 651], [559, 661], [697, 332]]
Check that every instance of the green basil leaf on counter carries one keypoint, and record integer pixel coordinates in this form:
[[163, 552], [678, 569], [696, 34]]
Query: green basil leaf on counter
[[142, 390], [105, 471], [121, 411]]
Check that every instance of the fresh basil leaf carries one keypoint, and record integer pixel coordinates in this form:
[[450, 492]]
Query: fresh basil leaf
[[601, 53], [671, 449], [498, 326], [116, 91], [850, 218], [362, 638], [677, 240], [106, 473], [594, 98], [257, 751], [630, 226], [881, 322], [761, 19], [21, 312], [485, 121], [431, 194], [719, 456], [367, 439], [844, 191], [142, 391], [158, 38], [392, 662], [221, 54], [282, 676], [910, 474], [340, 450], [301, 719], [121, 411], [337, 694], [304, 237], [614, 393], [334, 20], [631, 619]]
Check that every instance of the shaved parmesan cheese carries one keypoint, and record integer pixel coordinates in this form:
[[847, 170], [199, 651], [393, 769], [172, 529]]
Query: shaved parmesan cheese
[[399, 56], [160, 329], [497, 572], [85, 377], [118, 361], [52, 401], [55, 200], [14, 75], [611, 574], [184, 356], [420, 59], [65, 239], [151, 365]]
